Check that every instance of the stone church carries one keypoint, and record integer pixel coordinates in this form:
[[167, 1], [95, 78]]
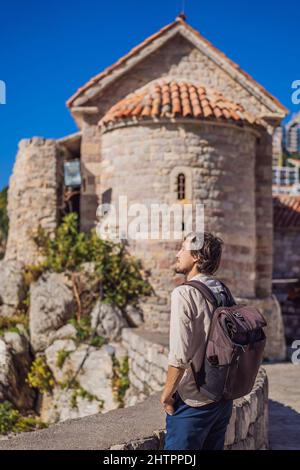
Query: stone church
[[175, 119]]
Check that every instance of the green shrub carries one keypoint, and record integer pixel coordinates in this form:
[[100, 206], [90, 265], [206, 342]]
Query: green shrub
[[40, 376], [79, 391], [12, 421], [83, 328], [120, 381], [120, 274], [98, 341], [10, 323], [61, 356]]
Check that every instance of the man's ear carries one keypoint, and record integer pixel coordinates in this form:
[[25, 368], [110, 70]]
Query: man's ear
[[197, 259]]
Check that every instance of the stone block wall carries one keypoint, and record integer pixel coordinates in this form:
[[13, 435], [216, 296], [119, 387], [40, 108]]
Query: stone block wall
[[35, 195], [288, 296], [264, 215], [286, 253], [90, 162], [248, 427], [286, 269], [139, 162], [177, 59]]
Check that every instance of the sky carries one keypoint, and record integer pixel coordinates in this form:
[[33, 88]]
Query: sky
[[49, 49]]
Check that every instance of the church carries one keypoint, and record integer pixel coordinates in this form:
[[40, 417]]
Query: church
[[173, 120]]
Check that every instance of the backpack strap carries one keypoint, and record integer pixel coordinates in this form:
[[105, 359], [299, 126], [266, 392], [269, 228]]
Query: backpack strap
[[209, 296], [229, 296], [205, 291]]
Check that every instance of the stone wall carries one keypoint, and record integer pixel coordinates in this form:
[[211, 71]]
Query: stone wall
[[264, 215], [177, 59], [248, 427], [34, 197], [90, 164], [286, 272], [140, 161], [288, 295], [141, 426], [286, 254]]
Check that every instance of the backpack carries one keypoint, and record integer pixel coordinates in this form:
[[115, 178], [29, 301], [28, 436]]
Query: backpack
[[234, 347]]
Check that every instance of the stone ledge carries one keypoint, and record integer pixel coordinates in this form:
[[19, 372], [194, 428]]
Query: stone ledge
[[142, 426]]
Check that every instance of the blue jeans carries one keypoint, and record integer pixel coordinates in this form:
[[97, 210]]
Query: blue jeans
[[197, 428]]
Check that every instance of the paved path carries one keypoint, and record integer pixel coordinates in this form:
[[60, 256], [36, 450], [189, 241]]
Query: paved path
[[284, 405]]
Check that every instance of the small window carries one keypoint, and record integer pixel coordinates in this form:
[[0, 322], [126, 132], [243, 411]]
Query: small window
[[181, 186], [72, 173]]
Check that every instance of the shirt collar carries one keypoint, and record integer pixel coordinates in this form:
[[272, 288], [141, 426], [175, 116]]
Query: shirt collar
[[202, 276]]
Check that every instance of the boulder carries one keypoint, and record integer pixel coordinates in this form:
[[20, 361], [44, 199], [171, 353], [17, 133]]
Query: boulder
[[60, 406], [14, 366], [12, 287], [108, 321], [135, 316], [51, 305]]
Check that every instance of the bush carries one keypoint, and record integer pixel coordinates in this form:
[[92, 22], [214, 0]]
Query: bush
[[120, 381], [40, 376], [61, 356], [10, 323], [12, 421], [119, 274]]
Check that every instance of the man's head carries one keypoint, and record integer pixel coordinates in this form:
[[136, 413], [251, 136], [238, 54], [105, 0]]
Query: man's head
[[199, 253]]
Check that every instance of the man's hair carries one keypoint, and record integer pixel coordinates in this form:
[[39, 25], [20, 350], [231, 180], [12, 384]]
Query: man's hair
[[209, 251]]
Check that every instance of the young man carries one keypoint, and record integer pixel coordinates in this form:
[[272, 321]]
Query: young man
[[193, 421]]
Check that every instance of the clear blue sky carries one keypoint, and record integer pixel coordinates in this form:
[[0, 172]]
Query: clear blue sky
[[49, 49]]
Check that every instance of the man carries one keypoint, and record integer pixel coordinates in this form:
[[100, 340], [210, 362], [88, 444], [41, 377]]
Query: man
[[193, 421]]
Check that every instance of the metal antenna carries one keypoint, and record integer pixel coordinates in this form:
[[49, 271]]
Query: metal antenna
[[182, 13]]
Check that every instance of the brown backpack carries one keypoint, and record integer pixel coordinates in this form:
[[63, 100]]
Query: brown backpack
[[234, 347]]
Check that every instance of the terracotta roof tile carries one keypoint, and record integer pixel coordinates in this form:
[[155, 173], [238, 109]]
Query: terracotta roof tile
[[149, 40], [174, 98], [286, 211]]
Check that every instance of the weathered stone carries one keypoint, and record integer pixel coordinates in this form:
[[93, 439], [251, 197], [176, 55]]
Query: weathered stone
[[107, 320], [230, 432], [65, 332], [52, 355], [12, 287], [135, 316], [60, 406], [35, 193], [243, 416], [51, 305], [14, 367]]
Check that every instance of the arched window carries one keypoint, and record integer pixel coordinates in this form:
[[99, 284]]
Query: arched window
[[181, 186]]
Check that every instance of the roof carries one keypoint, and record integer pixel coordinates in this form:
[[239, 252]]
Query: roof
[[179, 25], [286, 211], [167, 99]]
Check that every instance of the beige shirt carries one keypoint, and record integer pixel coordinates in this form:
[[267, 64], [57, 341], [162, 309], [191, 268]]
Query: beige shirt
[[189, 326]]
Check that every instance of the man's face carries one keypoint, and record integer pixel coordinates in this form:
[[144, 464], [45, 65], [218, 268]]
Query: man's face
[[184, 259]]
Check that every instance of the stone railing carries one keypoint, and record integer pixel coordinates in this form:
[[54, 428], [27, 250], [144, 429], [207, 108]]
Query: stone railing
[[142, 426], [148, 360]]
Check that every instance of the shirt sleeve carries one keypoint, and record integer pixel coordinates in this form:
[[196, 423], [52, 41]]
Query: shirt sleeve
[[180, 353]]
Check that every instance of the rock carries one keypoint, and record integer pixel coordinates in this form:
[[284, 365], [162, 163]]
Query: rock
[[135, 315], [109, 319], [14, 367], [12, 287], [58, 406], [18, 343], [52, 355], [96, 374], [65, 332], [51, 305], [133, 397], [95, 377]]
